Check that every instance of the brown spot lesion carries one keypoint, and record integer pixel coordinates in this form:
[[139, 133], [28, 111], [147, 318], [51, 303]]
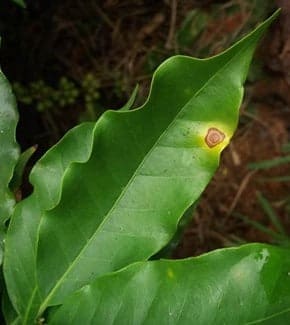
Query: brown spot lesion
[[214, 137]]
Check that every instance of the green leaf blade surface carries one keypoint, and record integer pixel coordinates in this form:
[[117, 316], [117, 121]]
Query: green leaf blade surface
[[9, 151], [228, 286]]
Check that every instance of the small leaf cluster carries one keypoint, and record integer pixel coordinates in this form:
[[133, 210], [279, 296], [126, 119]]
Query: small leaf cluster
[[66, 93]]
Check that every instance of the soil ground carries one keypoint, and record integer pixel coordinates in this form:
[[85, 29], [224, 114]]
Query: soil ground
[[121, 43]]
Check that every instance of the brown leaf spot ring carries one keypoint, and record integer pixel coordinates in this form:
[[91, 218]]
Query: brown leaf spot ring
[[214, 137]]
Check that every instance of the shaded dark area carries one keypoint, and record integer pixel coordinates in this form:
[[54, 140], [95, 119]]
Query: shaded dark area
[[69, 61]]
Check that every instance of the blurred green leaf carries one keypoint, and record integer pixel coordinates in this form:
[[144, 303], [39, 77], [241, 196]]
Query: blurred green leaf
[[192, 26], [21, 3], [276, 236], [286, 147], [267, 164], [271, 214]]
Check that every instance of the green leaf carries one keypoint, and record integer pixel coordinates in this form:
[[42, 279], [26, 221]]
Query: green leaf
[[122, 199], [228, 286], [21, 240], [131, 100], [16, 180], [20, 3], [271, 214], [9, 313], [9, 151], [193, 24]]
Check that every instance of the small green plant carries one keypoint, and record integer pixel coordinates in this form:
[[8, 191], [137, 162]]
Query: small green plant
[[278, 234], [110, 195], [192, 26], [46, 98]]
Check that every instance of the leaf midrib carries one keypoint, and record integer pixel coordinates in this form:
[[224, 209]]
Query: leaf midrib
[[59, 282]]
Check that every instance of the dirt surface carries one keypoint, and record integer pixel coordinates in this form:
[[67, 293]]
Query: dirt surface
[[121, 43]]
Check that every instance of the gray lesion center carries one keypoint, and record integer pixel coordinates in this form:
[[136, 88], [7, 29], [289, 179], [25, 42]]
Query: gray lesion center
[[214, 137]]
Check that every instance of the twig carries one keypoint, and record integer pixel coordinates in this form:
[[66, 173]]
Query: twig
[[170, 38], [103, 16], [241, 189]]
